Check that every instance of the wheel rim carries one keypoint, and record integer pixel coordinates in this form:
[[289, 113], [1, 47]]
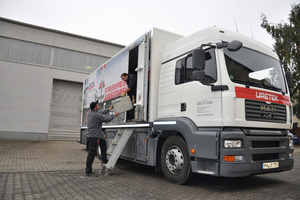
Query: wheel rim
[[174, 160]]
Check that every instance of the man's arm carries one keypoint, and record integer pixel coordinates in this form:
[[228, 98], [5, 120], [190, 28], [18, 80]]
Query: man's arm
[[130, 85], [127, 90], [104, 111], [104, 118]]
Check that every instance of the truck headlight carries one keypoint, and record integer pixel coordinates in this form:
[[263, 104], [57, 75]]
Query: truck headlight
[[291, 143], [232, 143]]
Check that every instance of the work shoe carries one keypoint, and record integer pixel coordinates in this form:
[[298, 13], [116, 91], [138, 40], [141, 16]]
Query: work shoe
[[104, 162], [91, 174]]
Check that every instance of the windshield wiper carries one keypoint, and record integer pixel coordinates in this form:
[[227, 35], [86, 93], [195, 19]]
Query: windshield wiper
[[271, 87], [247, 83]]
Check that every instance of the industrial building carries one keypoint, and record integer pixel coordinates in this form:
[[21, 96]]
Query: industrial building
[[41, 75]]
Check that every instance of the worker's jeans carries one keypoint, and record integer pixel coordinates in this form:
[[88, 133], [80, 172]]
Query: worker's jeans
[[93, 145]]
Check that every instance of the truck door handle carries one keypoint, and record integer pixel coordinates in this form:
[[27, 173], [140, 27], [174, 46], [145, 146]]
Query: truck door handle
[[183, 107], [219, 88]]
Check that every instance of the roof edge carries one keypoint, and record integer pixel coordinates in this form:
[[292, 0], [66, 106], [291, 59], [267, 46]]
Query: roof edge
[[60, 32]]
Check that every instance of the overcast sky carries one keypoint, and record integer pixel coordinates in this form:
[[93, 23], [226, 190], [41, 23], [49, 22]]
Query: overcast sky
[[122, 21]]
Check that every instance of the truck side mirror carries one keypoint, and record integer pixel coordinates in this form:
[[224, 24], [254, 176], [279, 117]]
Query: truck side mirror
[[198, 59], [288, 76], [235, 45], [198, 75]]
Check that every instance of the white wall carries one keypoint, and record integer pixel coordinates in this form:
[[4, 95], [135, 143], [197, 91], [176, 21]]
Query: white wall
[[25, 89], [25, 98]]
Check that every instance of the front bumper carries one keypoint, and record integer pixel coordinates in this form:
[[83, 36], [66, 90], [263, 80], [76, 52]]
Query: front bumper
[[256, 150], [246, 169]]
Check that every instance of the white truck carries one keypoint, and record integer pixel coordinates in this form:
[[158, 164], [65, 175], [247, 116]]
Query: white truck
[[215, 102]]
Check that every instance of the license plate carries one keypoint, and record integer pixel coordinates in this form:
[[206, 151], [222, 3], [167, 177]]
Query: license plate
[[270, 165]]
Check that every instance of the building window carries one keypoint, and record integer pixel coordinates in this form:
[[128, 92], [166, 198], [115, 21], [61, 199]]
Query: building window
[[32, 53]]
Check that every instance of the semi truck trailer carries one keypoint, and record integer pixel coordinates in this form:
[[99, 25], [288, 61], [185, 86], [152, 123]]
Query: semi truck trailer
[[215, 102]]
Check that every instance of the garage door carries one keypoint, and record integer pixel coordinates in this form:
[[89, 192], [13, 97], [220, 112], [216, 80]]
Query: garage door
[[65, 111]]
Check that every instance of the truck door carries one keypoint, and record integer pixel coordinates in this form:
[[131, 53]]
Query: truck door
[[198, 101], [142, 71]]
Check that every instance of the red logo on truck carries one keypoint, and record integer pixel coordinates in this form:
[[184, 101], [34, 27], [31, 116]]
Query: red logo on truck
[[248, 93], [266, 96]]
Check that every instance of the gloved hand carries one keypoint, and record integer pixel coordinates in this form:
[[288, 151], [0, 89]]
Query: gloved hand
[[116, 114], [123, 94], [133, 101]]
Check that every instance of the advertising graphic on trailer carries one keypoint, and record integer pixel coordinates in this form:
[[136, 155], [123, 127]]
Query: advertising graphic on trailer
[[105, 83]]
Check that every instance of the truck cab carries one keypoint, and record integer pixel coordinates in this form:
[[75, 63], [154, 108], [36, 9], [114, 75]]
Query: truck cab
[[227, 97]]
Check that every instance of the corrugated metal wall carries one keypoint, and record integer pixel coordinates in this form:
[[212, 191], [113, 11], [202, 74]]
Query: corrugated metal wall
[[65, 111], [40, 54]]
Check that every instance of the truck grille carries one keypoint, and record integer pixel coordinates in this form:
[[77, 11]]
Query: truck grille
[[263, 157], [263, 144], [261, 111]]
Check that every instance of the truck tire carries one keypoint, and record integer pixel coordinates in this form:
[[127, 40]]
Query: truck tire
[[175, 160]]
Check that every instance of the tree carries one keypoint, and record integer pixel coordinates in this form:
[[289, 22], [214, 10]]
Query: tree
[[287, 46]]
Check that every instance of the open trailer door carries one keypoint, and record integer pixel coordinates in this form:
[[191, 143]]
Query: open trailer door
[[142, 70]]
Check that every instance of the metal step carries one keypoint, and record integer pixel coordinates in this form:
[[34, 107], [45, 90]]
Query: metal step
[[115, 149]]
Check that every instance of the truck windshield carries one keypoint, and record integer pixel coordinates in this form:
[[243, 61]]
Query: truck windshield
[[252, 68]]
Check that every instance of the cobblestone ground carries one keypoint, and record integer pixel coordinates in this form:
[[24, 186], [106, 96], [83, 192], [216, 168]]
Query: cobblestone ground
[[55, 170]]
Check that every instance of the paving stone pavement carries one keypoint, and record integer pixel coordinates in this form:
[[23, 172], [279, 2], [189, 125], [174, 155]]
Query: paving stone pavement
[[55, 170]]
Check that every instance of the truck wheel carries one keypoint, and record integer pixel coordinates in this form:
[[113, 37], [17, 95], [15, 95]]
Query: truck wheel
[[175, 161]]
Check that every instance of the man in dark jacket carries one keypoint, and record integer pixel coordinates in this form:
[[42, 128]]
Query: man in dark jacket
[[94, 133], [130, 90]]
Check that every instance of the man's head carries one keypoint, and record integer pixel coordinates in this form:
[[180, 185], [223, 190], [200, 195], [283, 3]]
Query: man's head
[[94, 105], [124, 76]]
